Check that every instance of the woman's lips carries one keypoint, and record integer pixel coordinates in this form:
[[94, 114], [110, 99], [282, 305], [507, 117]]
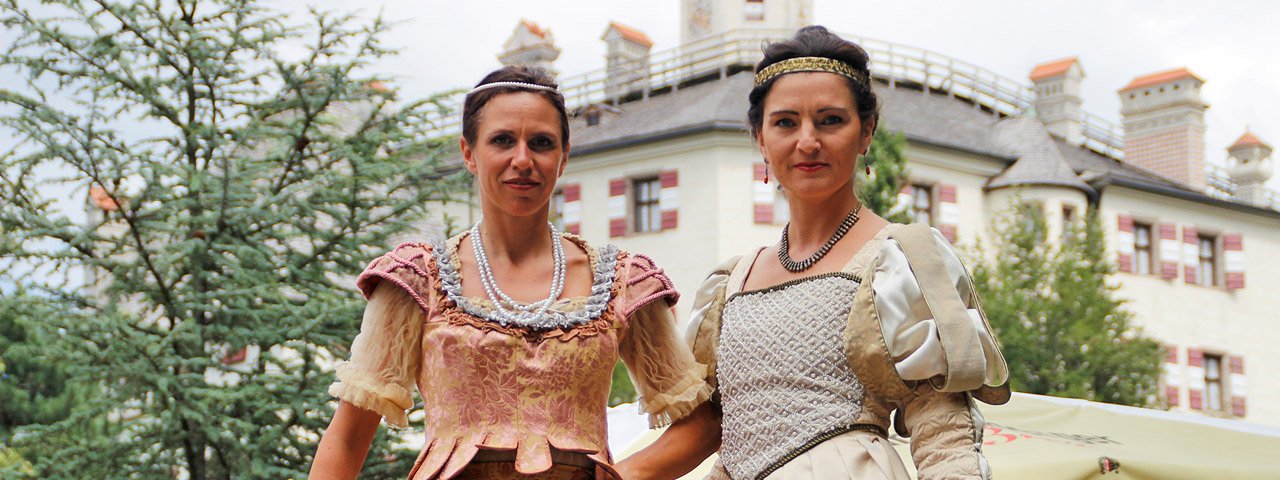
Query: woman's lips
[[810, 166], [522, 184]]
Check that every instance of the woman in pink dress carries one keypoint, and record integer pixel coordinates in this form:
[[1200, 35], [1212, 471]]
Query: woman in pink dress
[[510, 330]]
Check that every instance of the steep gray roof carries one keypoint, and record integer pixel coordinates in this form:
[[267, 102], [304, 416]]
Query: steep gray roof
[[1039, 160], [722, 104]]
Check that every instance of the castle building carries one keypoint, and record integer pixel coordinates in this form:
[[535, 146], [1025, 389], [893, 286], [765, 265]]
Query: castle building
[[663, 164]]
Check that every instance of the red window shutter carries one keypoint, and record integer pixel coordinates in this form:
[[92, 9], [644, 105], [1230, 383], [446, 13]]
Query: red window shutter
[[1195, 357], [948, 212], [1124, 245], [670, 180], [1169, 251], [572, 192], [1195, 399], [947, 193], [1172, 391], [948, 231], [617, 207], [1239, 394], [763, 213], [760, 171], [1233, 260], [1190, 254], [617, 186]]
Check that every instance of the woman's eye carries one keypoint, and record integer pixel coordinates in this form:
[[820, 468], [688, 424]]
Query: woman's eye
[[542, 143], [833, 120], [785, 123], [503, 140]]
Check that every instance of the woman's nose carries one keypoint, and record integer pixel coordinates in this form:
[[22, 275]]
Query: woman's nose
[[523, 159], [808, 143]]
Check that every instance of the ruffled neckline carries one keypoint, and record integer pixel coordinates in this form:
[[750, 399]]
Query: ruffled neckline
[[564, 313]]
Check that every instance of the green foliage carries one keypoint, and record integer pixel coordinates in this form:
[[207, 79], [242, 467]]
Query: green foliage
[[1062, 329], [879, 191], [31, 391], [251, 184], [622, 390]]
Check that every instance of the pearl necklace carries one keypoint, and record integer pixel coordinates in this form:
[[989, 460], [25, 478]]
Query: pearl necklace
[[796, 267], [505, 307]]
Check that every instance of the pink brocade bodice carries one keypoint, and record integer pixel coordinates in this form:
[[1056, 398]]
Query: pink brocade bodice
[[489, 386]]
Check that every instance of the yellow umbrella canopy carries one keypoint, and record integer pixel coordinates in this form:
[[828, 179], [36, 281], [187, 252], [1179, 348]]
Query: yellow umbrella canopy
[[1050, 438]]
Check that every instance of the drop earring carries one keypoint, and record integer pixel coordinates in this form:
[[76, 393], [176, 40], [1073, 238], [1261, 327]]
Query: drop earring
[[766, 174]]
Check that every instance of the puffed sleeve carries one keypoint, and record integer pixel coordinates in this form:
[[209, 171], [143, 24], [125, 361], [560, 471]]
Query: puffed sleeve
[[942, 346], [913, 325], [386, 353], [670, 382], [703, 332]]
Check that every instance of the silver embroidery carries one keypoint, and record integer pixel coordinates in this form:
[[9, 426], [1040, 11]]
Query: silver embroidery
[[784, 375], [597, 302]]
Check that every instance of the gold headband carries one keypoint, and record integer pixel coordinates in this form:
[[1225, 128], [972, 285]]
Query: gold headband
[[809, 64]]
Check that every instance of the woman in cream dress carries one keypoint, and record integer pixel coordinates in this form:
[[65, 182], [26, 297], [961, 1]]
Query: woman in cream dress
[[817, 342]]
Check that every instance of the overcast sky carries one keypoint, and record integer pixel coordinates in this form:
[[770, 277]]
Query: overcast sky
[[451, 44]]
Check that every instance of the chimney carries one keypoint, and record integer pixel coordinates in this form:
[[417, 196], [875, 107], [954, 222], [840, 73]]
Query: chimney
[[1250, 168], [530, 45], [1057, 87], [1163, 118], [626, 60]]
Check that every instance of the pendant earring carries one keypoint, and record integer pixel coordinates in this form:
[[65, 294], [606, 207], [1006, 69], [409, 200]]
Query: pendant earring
[[766, 174]]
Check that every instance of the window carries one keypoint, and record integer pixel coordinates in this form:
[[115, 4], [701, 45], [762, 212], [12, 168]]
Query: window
[[1207, 274], [1213, 382], [557, 209], [922, 204], [754, 10], [648, 212], [1068, 218], [1141, 249], [781, 208]]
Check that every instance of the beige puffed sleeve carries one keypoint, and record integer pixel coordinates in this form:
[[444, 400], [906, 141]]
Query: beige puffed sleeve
[[670, 382], [385, 355]]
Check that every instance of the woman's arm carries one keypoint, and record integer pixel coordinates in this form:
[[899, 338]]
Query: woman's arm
[[679, 450], [345, 443]]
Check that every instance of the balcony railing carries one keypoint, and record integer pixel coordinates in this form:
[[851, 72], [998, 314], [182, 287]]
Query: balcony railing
[[893, 63]]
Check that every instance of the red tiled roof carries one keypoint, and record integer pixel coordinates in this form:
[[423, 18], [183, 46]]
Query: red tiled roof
[[534, 28], [1247, 140], [1160, 77], [631, 34], [1052, 69], [102, 199]]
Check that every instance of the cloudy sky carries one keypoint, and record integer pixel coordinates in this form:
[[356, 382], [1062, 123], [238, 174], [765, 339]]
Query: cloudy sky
[[452, 44]]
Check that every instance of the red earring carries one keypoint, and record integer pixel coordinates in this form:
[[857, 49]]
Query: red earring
[[766, 174]]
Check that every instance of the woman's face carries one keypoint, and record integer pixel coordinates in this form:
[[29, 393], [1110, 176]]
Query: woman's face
[[810, 134], [518, 154]]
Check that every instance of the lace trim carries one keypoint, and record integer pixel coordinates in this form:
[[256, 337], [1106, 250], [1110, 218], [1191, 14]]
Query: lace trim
[[592, 318], [389, 400], [679, 401]]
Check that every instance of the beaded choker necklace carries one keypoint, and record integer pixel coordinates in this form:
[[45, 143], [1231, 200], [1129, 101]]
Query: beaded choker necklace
[[800, 266]]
